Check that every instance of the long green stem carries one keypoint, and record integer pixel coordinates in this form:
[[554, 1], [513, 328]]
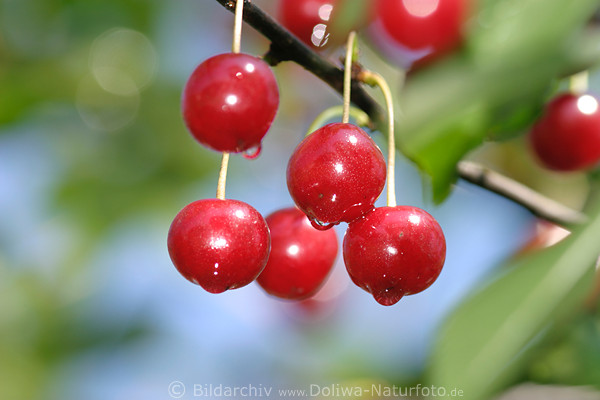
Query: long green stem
[[237, 26], [222, 176], [235, 48], [374, 79], [348, 76]]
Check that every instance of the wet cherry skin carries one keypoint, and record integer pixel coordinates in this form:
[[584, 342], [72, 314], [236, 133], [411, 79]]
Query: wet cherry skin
[[567, 136], [336, 173], [311, 21], [230, 101], [394, 251], [219, 244], [301, 256], [415, 32]]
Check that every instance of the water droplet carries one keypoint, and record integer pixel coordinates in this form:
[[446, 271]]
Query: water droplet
[[388, 297], [252, 152], [322, 226]]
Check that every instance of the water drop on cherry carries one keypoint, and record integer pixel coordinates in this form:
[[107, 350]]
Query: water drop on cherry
[[252, 153]]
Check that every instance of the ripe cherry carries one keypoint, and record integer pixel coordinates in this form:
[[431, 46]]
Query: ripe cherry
[[230, 101], [418, 31], [312, 22], [301, 256], [336, 174], [394, 251], [219, 244], [567, 136]]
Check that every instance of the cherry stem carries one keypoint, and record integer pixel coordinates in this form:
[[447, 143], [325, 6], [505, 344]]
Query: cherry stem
[[235, 48], [579, 83], [237, 26], [362, 118], [348, 76], [374, 79], [222, 177]]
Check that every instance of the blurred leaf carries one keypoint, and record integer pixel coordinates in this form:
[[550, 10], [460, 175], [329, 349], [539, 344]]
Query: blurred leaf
[[455, 138], [513, 53], [513, 118], [480, 346], [44, 47], [26, 85], [572, 360]]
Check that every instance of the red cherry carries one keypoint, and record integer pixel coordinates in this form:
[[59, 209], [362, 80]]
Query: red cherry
[[567, 136], [308, 20], [394, 251], [219, 244], [301, 256], [418, 31], [336, 174], [311, 21], [230, 101]]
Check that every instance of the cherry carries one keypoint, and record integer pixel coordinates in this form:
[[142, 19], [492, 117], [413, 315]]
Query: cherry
[[394, 251], [230, 101], [336, 174], [301, 257], [418, 31], [311, 21], [219, 244], [567, 136]]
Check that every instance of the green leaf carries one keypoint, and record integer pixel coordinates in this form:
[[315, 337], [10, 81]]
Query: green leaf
[[573, 358], [454, 138], [481, 347], [514, 118]]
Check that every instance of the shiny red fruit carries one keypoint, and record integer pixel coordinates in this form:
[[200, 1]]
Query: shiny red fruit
[[301, 256], [414, 32], [336, 174], [567, 136], [219, 244], [312, 21], [394, 251], [230, 101]]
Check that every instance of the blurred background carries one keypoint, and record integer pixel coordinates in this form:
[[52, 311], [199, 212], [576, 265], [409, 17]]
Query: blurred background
[[95, 162]]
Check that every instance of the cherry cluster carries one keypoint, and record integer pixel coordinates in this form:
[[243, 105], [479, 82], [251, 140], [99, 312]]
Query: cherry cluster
[[335, 175]]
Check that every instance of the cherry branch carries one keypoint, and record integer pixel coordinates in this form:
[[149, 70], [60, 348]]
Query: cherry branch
[[286, 47], [535, 202]]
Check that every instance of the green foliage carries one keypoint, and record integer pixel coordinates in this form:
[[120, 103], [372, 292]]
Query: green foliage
[[483, 343], [572, 356]]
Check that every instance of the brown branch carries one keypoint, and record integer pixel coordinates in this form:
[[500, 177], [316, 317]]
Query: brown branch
[[535, 202], [286, 47]]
